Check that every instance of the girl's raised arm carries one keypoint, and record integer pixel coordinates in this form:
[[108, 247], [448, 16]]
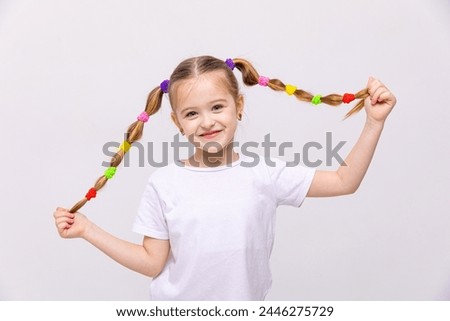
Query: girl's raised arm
[[348, 177], [148, 258]]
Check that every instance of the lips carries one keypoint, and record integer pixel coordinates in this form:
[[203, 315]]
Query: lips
[[210, 134]]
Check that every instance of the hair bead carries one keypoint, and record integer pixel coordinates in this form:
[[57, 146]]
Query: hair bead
[[109, 173], [165, 86], [230, 63], [290, 89], [91, 193], [348, 98], [125, 146], [316, 100], [263, 81], [143, 117]]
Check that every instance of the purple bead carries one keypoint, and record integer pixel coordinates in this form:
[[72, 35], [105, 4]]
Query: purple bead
[[230, 63], [165, 86]]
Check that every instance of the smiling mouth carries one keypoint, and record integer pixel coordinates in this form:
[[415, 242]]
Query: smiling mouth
[[211, 134]]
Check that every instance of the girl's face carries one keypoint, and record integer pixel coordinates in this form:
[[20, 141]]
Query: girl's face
[[205, 110]]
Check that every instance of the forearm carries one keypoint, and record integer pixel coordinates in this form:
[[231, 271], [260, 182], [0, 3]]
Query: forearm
[[355, 166], [130, 255]]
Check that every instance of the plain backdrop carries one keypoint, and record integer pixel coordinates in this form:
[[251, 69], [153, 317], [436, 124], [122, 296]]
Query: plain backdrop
[[75, 74]]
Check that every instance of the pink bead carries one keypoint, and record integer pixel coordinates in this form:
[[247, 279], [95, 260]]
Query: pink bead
[[263, 81], [143, 117]]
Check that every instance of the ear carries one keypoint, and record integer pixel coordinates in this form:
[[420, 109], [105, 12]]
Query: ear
[[240, 105], [175, 120]]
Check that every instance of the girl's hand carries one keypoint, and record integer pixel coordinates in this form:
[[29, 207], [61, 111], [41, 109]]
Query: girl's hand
[[70, 225], [380, 102]]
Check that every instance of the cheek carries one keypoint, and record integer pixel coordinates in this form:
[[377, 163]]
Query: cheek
[[229, 118], [189, 126]]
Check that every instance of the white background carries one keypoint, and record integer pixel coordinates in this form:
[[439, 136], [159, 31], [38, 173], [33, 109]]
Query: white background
[[75, 74]]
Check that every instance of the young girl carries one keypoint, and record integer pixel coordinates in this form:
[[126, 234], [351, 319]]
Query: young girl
[[208, 221]]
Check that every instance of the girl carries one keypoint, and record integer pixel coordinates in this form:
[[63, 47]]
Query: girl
[[208, 221]]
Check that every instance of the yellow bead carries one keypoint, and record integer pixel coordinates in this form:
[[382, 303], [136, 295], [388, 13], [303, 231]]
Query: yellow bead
[[290, 89], [125, 146]]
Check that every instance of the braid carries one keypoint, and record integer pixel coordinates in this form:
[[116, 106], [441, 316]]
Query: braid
[[251, 77], [134, 133]]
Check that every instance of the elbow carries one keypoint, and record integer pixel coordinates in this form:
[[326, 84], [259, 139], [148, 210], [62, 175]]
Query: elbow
[[151, 274], [349, 189], [348, 186], [153, 270], [154, 260], [352, 189]]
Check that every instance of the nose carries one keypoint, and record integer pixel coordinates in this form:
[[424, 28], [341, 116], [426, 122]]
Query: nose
[[208, 121]]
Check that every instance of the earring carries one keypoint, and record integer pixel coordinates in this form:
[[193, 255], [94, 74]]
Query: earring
[[240, 116], [182, 131]]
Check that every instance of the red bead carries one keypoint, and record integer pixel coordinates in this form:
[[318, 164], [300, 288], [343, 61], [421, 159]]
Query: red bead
[[91, 193], [348, 98]]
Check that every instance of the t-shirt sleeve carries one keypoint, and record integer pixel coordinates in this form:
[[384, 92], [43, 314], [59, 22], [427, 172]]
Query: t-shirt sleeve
[[150, 220], [290, 183]]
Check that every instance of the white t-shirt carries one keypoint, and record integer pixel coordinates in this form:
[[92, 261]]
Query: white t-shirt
[[220, 222]]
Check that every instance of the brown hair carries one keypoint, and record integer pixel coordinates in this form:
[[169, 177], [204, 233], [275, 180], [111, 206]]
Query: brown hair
[[250, 77], [193, 67]]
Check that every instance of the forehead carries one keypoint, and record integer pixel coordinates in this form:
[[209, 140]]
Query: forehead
[[193, 92]]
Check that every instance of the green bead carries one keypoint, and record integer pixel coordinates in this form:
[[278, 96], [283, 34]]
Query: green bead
[[109, 173], [316, 100]]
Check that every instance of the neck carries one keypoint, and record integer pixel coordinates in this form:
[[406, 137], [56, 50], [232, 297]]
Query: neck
[[202, 158]]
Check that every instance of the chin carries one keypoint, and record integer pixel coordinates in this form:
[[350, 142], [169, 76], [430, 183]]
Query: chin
[[212, 150]]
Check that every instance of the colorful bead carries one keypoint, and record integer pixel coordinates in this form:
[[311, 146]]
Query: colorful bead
[[348, 98], [316, 100], [143, 117], [263, 81], [109, 173], [165, 86], [230, 63], [91, 193], [125, 146], [290, 89]]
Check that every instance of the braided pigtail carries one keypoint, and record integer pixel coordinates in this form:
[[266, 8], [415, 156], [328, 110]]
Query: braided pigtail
[[251, 77], [134, 133]]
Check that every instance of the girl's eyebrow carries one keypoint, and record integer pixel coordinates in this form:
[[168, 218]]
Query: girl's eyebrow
[[220, 100]]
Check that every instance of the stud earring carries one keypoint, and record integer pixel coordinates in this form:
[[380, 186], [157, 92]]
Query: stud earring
[[240, 116], [182, 131]]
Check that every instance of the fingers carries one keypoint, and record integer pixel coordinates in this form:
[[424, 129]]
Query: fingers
[[377, 91], [63, 219], [385, 96], [70, 218], [375, 97], [64, 224], [60, 212]]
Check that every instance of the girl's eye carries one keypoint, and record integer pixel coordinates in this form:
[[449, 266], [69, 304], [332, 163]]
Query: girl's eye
[[190, 114], [217, 107]]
